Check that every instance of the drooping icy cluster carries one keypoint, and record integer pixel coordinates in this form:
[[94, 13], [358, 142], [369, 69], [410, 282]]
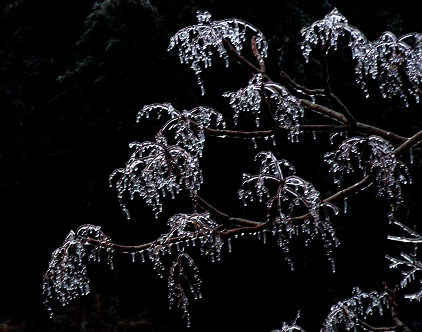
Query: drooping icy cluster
[[179, 274], [408, 260], [372, 154], [289, 328], [188, 126], [345, 315], [185, 230], [394, 62], [288, 108], [293, 196], [196, 42], [67, 274], [154, 169]]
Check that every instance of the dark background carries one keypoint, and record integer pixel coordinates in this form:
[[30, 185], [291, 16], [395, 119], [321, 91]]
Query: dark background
[[74, 74]]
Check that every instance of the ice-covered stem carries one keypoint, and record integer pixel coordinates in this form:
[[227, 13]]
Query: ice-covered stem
[[393, 307], [408, 144], [408, 260], [327, 87], [290, 328], [257, 54]]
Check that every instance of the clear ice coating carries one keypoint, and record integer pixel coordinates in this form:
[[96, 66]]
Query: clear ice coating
[[407, 260], [373, 155], [293, 194], [389, 59], [153, 169], [67, 274], [290, 328], [288, 109], [197, 42], [347, 313]]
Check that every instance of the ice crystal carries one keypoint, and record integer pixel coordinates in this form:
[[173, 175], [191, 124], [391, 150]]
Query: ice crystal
[[389, 59], [196, 42], [154, 169], [289, 328], [372, 154], [66, 273], [178, 273], [188, 126], [292, 195], [408, 260], [288, 108], [345, 315]]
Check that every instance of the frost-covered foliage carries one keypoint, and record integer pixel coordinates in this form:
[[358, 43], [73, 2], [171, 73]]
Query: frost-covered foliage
[[293, 197], [288, 109], [346, 314], [394, 62], [188, 126], [155, 168], [289, 328], [66, 273], [372, 155], [197, 41], [408, 260]]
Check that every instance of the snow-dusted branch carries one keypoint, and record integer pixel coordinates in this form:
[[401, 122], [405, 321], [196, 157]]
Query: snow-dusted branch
[[66, 273], [293, 193], [372, 155], [197, 41], [407, 260], [395, 62]]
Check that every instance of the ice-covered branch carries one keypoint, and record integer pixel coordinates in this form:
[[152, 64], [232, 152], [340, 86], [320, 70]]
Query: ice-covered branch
[[188, 136], [407, 260], [66, 273], [292, 194], [290, 328], [155, 168], [394, 62], [347, 313], [288, 109], [371, 155], [197, 41]]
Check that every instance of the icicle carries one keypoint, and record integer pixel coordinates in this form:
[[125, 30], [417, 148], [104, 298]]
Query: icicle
[[264, 235], [229, 244], [345, 205], [259, 236], [273, 139], [254, 143], [314, 135], [133, 257], [142, 256], [411, 156]]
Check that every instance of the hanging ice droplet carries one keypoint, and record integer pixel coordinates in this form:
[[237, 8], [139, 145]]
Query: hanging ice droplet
[[313, 135], [273, 139], [229, 244], [133, 257], [254, 143], [345, 206]]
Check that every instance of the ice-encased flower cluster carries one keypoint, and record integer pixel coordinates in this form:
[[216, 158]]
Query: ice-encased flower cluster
[[394, 62], [371, 154], [67, 274], [196, 42], [345, 315], [408, 260], [188, 126], [154, 169], [288, 109], [293, 194]]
